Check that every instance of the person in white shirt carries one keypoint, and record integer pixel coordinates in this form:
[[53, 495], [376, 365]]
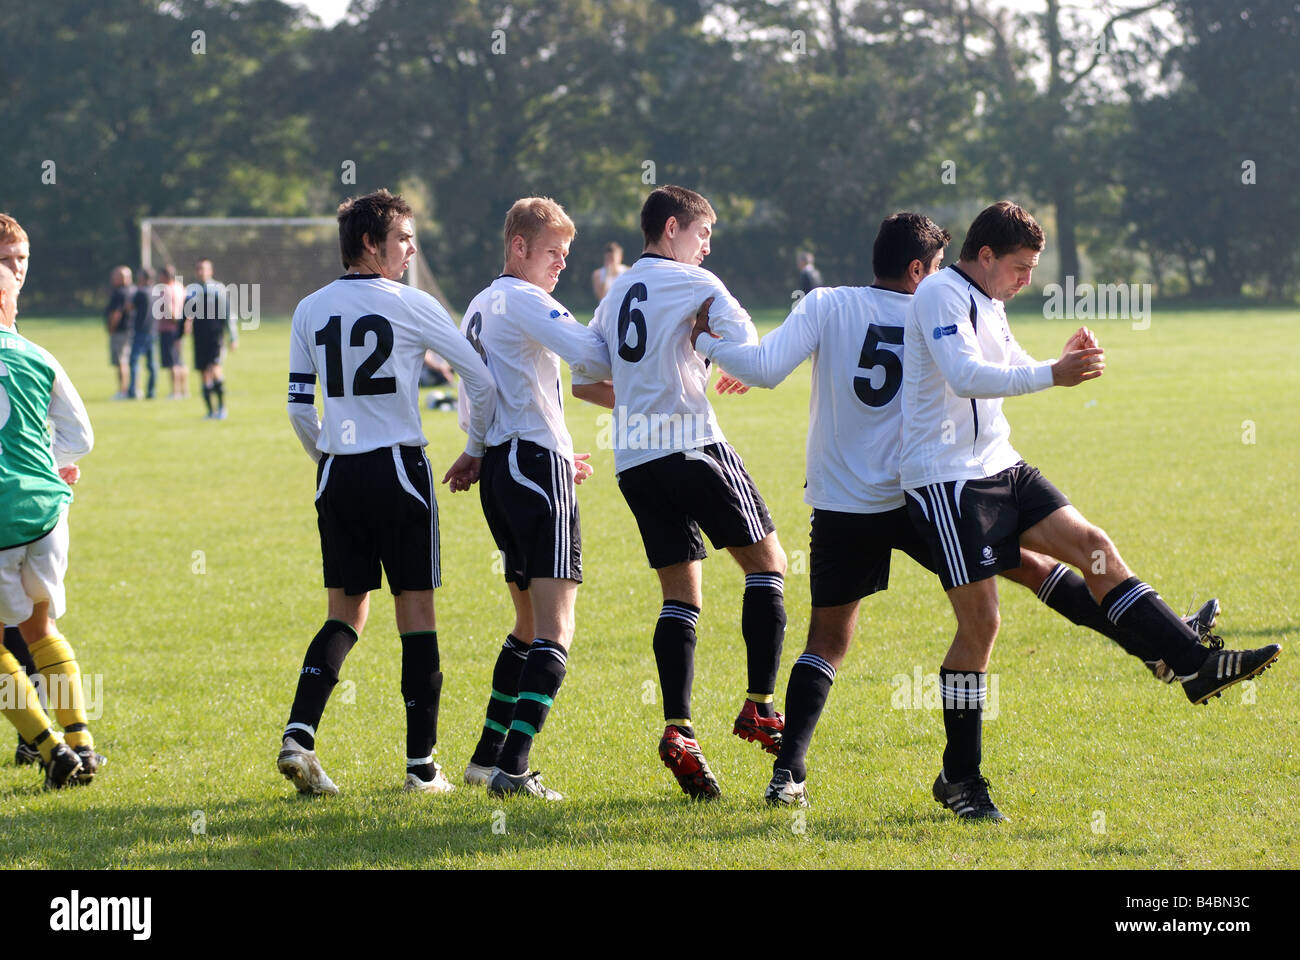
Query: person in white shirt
[[855, 338], [979, 504], [603, 277], [680, 476], [364, 335], [528, 475]]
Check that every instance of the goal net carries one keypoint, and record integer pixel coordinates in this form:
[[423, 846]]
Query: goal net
[[288, 257]]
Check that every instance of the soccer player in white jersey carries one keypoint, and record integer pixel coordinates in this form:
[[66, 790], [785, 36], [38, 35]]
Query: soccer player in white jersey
[[528, 475], [855, 338], [978, 503], [365, 335], [44, 429], [679, 475]]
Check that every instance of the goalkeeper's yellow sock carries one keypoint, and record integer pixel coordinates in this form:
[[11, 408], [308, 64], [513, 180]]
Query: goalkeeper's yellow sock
[[22, 708], [58, 665]]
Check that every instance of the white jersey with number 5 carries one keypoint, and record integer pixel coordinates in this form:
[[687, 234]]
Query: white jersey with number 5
[[365, 337], [660, 382], [855, 338]]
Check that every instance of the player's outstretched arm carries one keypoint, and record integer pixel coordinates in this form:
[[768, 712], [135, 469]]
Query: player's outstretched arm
[[444, 338], [762, 364]]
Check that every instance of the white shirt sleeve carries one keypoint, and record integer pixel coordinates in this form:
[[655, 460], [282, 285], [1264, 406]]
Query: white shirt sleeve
[[302, 389], [444, 338], [597, 330], [727, 318], [69, 422], [959, 357], [771, 360], [579, 347]]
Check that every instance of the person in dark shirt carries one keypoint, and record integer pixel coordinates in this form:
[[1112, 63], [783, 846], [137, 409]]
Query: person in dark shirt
[[118, 318], [143, 334], [809, 276], [207, 304]]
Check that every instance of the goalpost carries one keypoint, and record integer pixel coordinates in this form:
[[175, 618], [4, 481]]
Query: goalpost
[[288, 257]]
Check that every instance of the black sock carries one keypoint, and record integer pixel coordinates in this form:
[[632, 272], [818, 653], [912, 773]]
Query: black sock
[[501, 704], [219, 388], [320, 673], [421, 688], [1136, 606], [16, 645], [805, 696], [674, 647], [539, 682], [1067, 593], [207, 395], [963, 694], [762, 624]]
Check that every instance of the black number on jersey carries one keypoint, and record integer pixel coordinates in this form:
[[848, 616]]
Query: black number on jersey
[[473, 331], [364, 382], [872, 357], [635, 319]]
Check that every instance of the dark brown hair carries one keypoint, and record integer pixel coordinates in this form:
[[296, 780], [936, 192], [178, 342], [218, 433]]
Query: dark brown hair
[[371, 215], [672, 201], [1004, 227]]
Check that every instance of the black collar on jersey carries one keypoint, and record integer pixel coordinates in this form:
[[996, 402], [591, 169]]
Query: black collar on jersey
[[654, 256], [876, 286], [359, 276], [962, 273]]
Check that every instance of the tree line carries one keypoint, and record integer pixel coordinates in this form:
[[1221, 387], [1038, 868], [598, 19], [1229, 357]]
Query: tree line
[[1157, 142]]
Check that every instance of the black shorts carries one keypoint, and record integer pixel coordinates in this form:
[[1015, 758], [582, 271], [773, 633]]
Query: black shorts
[[528, 499], [207, 343], [378, 508], [676, 496], [849, 553], [169, 354], [973, 527]]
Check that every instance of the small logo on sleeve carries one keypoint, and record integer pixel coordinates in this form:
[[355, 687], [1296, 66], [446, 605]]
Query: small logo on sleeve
[[940, 332]]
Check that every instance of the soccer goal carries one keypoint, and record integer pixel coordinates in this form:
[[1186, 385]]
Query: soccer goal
[[288, 257]]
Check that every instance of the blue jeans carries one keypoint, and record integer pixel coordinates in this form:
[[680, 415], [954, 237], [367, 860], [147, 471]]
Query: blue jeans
[[142, 345]]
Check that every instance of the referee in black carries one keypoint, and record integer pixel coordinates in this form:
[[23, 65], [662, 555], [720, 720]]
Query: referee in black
[[207, 305]]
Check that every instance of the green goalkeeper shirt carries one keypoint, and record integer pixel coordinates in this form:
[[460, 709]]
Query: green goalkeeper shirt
[[43, 426]]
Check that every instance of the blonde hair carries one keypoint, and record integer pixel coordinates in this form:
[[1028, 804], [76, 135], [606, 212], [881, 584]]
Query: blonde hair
[[531, 215], [11, 230]]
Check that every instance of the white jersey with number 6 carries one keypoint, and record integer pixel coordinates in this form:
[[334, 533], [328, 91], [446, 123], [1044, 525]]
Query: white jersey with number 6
[[365, 338], [855, 338], [660, 382]]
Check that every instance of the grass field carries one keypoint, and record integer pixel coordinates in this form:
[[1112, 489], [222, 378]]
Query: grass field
[[195, 587]]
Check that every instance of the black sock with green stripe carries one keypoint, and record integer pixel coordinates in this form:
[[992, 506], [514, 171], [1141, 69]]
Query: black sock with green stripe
[[539, 682], [501, 705]]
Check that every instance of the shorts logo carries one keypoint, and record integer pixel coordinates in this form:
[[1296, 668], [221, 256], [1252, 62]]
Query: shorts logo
[[940, 332], [987, 554]]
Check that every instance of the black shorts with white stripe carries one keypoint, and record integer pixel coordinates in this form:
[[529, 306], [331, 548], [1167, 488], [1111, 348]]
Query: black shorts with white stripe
[[377, 508], [848, 556], [527, 493], [675, 496], [973, 527]]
